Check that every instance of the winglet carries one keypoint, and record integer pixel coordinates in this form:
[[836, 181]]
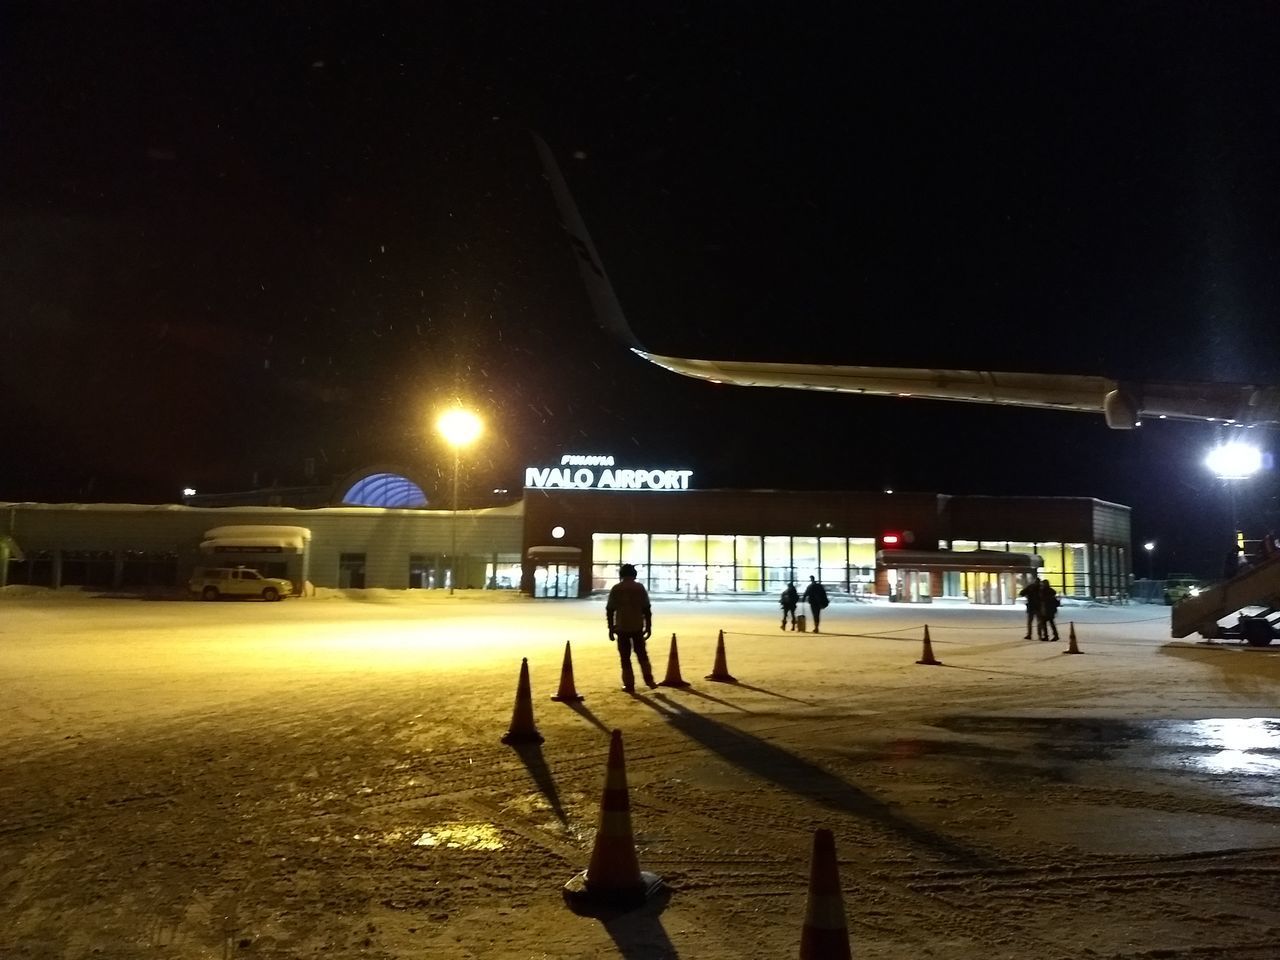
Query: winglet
[[603, 300]]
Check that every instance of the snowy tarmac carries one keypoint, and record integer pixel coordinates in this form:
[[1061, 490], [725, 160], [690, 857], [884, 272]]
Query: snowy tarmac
[[325, 777]]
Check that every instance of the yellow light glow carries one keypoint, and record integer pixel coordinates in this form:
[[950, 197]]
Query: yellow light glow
[[459, 427]]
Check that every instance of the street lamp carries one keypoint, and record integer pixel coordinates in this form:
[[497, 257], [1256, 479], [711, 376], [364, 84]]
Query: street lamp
[[1150, 547], [459, 428], [1233, 461]]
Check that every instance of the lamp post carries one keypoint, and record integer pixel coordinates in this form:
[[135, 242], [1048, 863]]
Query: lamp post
[[459, 428], [1232, 461], [1150, 547]]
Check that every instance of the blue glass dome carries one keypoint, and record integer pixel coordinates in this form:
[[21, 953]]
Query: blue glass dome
[[385, 490]]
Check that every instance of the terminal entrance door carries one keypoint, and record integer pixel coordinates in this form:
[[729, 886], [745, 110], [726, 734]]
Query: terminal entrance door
[[910, 586], [553, 580], [556, 571]]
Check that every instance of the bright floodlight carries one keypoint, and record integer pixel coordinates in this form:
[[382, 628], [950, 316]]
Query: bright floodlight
[[1149, 545], [1234, 460], [459, 427]]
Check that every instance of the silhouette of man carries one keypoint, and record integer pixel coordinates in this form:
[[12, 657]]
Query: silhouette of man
[[1048, 611], [815, 595], [1031, 593], [630, 626], [789, 600]]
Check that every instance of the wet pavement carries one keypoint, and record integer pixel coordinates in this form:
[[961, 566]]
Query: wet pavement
[[1239, 754]]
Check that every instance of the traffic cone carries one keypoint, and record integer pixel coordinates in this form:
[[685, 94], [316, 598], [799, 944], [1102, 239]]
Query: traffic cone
[[567, 691], [826, 933], [720, 671], [613, 879], [522, 728], [673, 678], [927, 657], [1071, 640]]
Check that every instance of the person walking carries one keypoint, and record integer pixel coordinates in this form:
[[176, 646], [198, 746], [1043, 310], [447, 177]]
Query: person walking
[[630, 622], [1031, 594], [790, 600], [815, 595], [1048, 613]]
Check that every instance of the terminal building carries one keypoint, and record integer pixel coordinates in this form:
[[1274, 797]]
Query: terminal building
[[573, 526]]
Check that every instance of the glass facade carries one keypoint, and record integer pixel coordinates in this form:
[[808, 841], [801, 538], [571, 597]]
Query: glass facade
[[695, 564], [748, 564], [1073, 569], [503, 573], [721, 564]]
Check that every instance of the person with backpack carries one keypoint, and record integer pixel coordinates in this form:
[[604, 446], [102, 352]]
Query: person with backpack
[[1048, 611], [815, 595], [790, 600]]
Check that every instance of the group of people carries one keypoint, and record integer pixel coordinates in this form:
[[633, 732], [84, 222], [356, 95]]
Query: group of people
[[1042, 609], [630, 619], [815, 595]]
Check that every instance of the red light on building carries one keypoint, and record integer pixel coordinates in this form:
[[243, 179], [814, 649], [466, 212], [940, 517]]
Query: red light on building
[[891, 540]]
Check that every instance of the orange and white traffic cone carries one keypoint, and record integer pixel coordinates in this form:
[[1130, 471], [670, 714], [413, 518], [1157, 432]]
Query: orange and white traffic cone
[[673, 678], [826, 934], [926, 657], [567, 690], [1071, 640], [720, 671], [613, 879], [522, 727]]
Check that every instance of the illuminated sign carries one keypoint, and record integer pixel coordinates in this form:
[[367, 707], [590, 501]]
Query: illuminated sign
[[578, 472]]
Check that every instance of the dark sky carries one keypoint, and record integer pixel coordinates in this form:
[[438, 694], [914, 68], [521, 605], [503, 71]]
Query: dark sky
[[235, 237]]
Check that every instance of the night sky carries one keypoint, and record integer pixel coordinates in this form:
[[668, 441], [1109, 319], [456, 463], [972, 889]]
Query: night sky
[[233, 239]]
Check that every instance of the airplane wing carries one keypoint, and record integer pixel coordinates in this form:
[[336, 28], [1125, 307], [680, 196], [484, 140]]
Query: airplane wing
[[1123, 404]]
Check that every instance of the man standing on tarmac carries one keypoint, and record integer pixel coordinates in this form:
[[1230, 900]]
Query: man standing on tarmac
[[1031, 593], [630, 625]]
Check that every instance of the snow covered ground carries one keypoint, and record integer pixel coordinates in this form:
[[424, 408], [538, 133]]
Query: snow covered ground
[[325, 777]]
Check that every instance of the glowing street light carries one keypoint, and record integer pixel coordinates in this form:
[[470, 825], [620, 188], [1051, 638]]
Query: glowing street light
[[1150, 547], [1232, 461], [460, 428]]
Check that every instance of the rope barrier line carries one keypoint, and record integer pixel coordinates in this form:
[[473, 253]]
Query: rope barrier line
[[915, 628], [868, 636], [947, 626]]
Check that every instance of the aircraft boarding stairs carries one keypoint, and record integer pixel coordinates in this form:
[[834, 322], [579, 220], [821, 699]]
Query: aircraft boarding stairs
[[1246, 607]]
